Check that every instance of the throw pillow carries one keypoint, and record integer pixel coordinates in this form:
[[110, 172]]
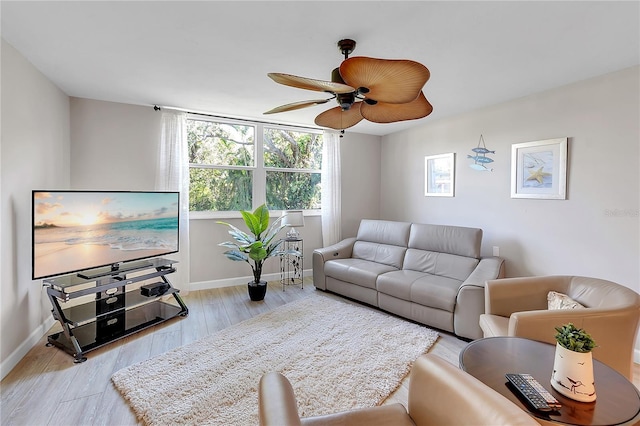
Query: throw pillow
[[561, 301]]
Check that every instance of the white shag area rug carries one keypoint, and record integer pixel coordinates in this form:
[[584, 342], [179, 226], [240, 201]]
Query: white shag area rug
[[337, 356]]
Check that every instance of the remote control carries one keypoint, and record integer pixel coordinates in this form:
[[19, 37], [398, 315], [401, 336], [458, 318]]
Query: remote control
[[536, 395]]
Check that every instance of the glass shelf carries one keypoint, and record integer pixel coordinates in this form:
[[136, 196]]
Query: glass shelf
[[95, 334], [108, 305], [65, 283]]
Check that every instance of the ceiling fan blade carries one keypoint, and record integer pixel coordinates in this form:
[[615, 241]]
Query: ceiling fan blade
[[310, 83], [390, 113], [336, 118], [388, 80], [297, 105]]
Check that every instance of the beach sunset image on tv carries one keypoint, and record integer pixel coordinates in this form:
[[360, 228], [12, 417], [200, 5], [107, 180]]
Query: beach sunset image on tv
[[76, 230]]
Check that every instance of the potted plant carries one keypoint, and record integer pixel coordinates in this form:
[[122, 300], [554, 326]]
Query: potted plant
[[573, 363], [255, 247]]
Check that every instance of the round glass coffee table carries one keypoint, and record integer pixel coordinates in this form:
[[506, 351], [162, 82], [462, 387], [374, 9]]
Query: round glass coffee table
[[489, 359]]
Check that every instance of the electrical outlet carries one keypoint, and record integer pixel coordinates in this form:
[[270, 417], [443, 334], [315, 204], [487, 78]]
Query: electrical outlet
[[496, 251]]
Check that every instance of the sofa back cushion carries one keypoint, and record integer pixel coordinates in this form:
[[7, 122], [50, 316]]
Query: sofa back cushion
[[379, 253], [443, 264], [384, 232], [456, 240], [382, 241]]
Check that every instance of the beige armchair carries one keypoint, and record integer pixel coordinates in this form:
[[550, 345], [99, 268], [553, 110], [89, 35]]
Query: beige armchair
[[439, 394], [518, 307]]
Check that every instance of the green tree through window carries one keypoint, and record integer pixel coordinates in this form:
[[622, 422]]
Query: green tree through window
[[236, 165]]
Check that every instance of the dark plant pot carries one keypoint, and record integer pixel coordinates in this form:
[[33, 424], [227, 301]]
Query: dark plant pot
[[257, 291]]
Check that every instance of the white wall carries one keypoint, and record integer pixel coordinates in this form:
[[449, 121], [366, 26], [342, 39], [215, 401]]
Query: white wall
[[361, 156], [595, 232], [113, 146], [35, 155]]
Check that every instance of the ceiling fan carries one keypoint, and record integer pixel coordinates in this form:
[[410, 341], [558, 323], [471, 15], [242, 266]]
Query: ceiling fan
[[378, 90]]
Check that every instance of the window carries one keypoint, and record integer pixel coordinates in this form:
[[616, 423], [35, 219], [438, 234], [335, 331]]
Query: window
[[238, 165]]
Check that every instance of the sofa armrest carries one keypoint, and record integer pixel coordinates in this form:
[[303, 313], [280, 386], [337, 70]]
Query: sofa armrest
[[276, 401], [489, 268], [340, 250], [470, 299]]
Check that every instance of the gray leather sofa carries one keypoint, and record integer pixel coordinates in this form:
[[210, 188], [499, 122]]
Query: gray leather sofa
[[431, 274]]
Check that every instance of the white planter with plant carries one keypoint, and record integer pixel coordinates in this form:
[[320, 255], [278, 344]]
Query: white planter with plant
[[573, 364]]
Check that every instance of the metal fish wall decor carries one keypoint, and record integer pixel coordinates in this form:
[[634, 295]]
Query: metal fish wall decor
[[479, 157]]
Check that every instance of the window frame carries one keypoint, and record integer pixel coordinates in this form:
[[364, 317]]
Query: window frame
[[259, 171]]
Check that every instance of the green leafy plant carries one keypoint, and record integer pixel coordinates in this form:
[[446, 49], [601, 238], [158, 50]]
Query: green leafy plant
[[575, 339], [258, 245]]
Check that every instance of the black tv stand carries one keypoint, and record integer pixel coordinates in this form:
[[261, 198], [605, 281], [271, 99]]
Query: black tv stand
[[115, 310]]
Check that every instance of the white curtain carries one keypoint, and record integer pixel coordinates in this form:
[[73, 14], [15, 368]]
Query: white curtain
[[172, 174], [331, 189]]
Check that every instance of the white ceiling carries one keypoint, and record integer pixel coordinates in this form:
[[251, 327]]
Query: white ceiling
[[213, 56]]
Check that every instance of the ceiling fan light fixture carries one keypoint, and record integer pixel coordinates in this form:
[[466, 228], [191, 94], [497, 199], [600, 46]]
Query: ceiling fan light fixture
[[345, 100], [379, 90]]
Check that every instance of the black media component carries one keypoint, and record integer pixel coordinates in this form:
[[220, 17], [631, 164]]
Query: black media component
[[155, 289]]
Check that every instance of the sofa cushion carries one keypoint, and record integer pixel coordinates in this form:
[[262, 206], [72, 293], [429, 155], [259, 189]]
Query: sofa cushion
[[380, 253], [446, 239], [384, 232], [425, 289], [357, 271], [444, 264]]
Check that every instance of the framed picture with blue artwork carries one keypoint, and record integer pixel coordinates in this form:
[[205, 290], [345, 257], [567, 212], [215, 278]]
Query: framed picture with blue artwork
[[539, 169]]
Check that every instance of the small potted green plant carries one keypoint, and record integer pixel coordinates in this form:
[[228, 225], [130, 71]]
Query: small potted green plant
[[255, 247], [575, 339], [573, 363]]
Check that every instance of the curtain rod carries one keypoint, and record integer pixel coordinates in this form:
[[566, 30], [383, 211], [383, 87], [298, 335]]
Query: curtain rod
[[159, 108]]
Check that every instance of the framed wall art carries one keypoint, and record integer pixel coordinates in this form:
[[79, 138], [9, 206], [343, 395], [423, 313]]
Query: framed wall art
[[539, 169], [439, 175]]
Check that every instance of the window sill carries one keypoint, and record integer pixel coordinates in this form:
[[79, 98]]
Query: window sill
[[211, 215]]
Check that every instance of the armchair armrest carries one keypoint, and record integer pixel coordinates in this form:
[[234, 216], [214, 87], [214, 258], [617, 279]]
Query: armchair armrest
[[506, 296], [442, 394], [276, 401], [606, 326], [340, 250]]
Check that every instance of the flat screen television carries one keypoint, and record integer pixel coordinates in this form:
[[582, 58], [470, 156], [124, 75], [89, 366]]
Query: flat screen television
[[79, 231]]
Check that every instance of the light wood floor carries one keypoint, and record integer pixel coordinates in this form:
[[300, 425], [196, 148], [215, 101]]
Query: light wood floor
[[47, 388]]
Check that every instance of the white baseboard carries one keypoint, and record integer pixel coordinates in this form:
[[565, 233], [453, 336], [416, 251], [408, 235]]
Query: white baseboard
[[14, 358], [230, 282]]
